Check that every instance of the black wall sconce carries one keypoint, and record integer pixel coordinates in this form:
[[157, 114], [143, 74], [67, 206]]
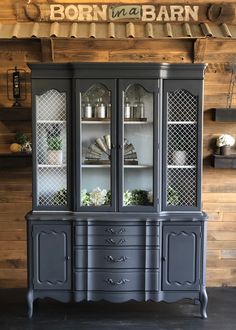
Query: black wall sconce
[[16, 86]]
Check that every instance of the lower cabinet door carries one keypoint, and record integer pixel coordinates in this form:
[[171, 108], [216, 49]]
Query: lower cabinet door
[[52, 257], [181, 257]]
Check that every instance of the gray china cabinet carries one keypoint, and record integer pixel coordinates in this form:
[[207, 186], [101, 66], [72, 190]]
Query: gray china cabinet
[[117, 164]]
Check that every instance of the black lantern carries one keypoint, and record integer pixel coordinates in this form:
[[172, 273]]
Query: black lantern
[[16, 86]]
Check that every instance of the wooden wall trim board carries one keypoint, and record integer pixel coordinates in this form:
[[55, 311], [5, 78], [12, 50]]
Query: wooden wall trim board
[[47, 50], [219, 185]]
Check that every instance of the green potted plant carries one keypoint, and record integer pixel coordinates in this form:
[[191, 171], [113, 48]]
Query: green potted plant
[[60, 197], [55, 156]]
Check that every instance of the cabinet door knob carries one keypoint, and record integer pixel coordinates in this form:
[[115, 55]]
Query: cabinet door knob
[[163, 258], [67, 257]]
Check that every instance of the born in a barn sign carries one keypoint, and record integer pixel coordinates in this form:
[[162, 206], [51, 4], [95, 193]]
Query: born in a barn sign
[[74, 12]]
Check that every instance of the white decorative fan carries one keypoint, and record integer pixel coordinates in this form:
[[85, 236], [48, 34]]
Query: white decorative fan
[[99, 152]]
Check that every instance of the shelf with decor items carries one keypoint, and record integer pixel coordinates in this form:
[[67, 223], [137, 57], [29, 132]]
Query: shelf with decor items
[[118, 215], [17, 159], [225, 156], [224, 161], [15, 113], [224, 114]]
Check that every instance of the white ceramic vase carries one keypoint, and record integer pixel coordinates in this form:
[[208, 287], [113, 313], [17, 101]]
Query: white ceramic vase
[[55, 157], [179, 157]]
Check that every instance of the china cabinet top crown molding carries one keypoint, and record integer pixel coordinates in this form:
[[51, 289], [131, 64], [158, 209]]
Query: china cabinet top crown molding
[[118, 70]]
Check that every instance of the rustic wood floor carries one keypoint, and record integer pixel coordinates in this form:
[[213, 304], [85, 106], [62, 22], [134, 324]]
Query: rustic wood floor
[[103, 316]]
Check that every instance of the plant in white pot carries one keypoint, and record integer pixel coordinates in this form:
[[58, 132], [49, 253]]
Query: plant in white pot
[[179, 154], [225, 142], [55, 156]]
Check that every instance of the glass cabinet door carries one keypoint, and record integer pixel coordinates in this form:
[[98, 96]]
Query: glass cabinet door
[[96, 157], [182, 142], [50, 146], [138, 145]]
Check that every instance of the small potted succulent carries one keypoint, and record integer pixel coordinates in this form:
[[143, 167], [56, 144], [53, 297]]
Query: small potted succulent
[[21, 144], [225, 142], [54, 150]]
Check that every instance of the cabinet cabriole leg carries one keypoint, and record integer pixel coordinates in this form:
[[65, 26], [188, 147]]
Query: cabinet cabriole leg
[[203, 301], [30, 302]]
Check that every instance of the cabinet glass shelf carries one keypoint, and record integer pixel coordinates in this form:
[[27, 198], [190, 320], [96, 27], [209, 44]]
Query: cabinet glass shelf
[[127, 122], [181, 166], [108, 166], [181, 122], [51, 166], [51, 121]]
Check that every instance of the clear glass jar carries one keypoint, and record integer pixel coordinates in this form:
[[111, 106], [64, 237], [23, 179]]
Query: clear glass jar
[[100, 109], [139, 110], [127, 109]]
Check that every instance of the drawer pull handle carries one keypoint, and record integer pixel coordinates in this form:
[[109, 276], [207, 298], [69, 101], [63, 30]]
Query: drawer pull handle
[[111, 259], [113, 242], [122, 281], [115, 232]]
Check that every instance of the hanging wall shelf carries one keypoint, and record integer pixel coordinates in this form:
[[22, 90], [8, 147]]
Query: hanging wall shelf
[[17, 113], [224, 114], [220, 161], [15, 160]]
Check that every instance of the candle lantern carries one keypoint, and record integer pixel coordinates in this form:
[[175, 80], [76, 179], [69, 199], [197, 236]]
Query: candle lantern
[[16, 86]]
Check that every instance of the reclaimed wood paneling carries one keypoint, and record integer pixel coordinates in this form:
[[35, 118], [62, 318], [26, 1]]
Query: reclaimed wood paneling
[[219, 188], [15, 183], [123, 51]]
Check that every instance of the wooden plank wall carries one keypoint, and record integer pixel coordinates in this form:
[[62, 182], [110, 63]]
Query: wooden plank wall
[[219, 185], [219, 188], [15, 183]]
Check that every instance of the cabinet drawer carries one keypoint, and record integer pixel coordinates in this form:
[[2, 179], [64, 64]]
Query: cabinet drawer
[[115, 258], [117, 281], [116, 241], [111, 258], [117, 230], [113, 281]]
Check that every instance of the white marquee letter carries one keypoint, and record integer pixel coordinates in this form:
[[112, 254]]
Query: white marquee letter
[[57, 12], [85, 13], [193, 12], [163, 12], [100, 11], [176, 13], [148, 13], [71, 12]]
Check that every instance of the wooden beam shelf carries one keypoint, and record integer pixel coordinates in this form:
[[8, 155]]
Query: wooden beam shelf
[[17, 113], [224, 114], [15, 160], [15, 154], [221, 161]]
